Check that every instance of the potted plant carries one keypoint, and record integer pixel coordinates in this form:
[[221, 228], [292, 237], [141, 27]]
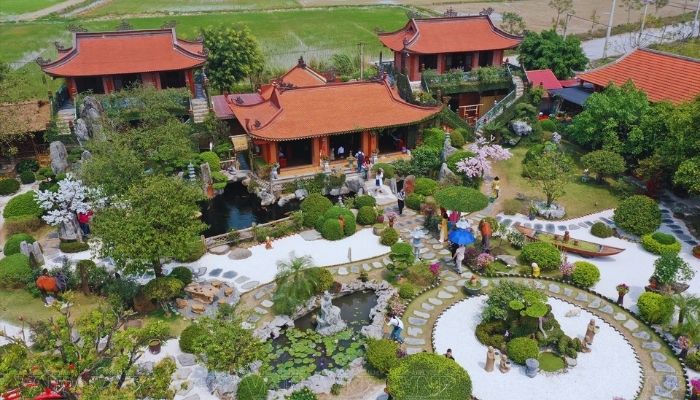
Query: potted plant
[[622, 290], [532, 211], [696, 251], [695, 387], [325, 163], [391, 217], [154, 346], [473, 286]]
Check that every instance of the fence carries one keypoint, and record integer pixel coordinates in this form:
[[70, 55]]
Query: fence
[[241, 235], [496, 110]]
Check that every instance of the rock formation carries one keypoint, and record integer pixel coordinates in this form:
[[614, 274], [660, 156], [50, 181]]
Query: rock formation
[[329, 320], [59, 157]]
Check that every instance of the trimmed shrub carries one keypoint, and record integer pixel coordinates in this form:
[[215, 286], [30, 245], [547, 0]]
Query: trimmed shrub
[[456, 157], [402, 254], [22, 224], [418, 376], [22, 205], [425, 186], [693, 361], [27, 165], [434, 137], [382, 354], [655, 308], [389, 170], [15, 271], [407, 291], [303, 394], [389, 237], [252, 387], [45, 173], [333, 213], [457, 137], [331, 230], [211, 158], [522, 348], [367, 216], [460, 198], [491, 334], [545, 255], [188, 337], [601, 230], [313, 207], [548, 125], [322, 277], [27, 177], [585, 274], [73, 247], [183, 274], [659, 242], [638, 215], [414, 200], [419, 274], [8, 186], [12, 244], [364, 201]]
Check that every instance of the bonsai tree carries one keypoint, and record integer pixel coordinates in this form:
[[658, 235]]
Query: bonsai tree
[[604, 163], [162, 290], [670, 268]]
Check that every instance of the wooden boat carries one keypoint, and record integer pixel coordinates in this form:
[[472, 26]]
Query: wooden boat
[[576, 246]]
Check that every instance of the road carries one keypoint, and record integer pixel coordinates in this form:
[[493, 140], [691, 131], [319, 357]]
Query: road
[[41, 13]]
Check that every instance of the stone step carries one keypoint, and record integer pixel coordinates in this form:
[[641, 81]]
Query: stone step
[[421, 314], [434, 301], [427, 307], [413, 350], [415, 341], [444, 295], [413, 331], [417, 321]]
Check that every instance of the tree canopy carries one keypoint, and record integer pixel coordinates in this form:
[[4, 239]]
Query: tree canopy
[[226, 346], [462, 199], [512, 23], [549, 50], [604, 163], [551, 172], [234, 54]]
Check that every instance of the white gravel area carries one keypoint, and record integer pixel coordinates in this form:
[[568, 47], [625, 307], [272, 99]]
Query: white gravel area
[[610, 370], [13, 331]]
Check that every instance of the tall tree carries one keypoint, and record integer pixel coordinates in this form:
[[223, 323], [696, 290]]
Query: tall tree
[[688, 175], [561, 7], [512, 23], [154, 221], [549, 50], [551, 172], [234, 54], [114, 165], [604, 163]]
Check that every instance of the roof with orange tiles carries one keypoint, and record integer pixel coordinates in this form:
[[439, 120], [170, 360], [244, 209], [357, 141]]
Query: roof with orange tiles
[[312, 111], [26, 117], [662, 76], [544, 78], [449, 35], [126, 52], [301, 75]]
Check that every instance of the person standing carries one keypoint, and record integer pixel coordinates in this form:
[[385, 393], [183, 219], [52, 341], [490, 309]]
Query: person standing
[[486, 232], [378, 180], [400, 199], [459, 258], [495, 187], [84, 222], [397, 325], [360, 160], [449, 354], [341, 152]]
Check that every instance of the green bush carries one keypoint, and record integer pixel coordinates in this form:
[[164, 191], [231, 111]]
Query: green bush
[[402, 254], [414, 200], [313, 207], [367, 216], [655, 308], [425, 186], [334, 213], [15, 271], [434, 137], [407, 291], [491, 334], [389, 170], [27, 177], [389, 237], [693, 361], [13, 242], [22, 205], [638, 215], [195, 250], [322, 277], [544, 254], [522, 348], [73, 247], [364, 201], [419, 376], [548, 125], [658, 243], [219, 180], [601, 230], [8, 186], [585, 274], [188, 337], [419, 274], [457, 137], [252, 387], [331, 230], [45, 173], [460, 198], [382, 354], [22, 224], [183, 274], [456, 157], [302, 394], [211, 158]]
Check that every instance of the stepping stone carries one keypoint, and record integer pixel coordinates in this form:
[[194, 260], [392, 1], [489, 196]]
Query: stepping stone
[[461, 282], [620, 317], [250, 285], [589, 223], [631, 325], [660, 391], [429, 256], [229, 274], [561, 227], [554, 288], [549, 228], [239, 254], [444, 295], [259, 295], [355, 269], [342, 271], [413, 331], [413, 350], [434, 301], [539, 285], [451, 289], [186, 359], [247, 325], [201, 271], [662, 367], [444, 252], [423, 250], [215, 272], [417, 321], [241, 279], [220, 250], [607, 309], [260, 311], [366, 267], [583, 225], [266, 303], [378, 265], [671, 382], [385, 260], [506, 222], [658, 356], [642, 335], [421, 314], [253, 318], [653, 345], [573, 227], [450, 278], [568, 292], [609, 221], [538, 226], [582, 297], [595, 303], [438, 246], [427, 307], [415, 341], [508, 259]]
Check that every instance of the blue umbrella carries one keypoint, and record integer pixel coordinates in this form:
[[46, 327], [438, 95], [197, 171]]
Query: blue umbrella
[[461, 237]]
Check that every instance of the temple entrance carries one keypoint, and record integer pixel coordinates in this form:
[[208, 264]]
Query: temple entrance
[[397, 139], [172, 79], [91, 84], [294, 153], [126, 81], [485, 58], [461, 61], [428, 61], [350, 143]]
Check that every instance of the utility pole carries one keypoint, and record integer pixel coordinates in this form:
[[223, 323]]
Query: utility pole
[[695, 20], [644, 20], [566, 23], [362, 60], [610, 23]]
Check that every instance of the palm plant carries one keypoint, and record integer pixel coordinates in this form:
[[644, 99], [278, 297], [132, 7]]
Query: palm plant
[[688, 306], [294, 284]]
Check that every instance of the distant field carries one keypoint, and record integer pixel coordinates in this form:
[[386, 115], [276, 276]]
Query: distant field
[[690, 48], [131, 7], [14, 7]]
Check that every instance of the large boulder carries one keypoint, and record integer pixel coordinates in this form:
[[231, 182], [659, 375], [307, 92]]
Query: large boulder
[[446, 174], [59, 157], [81, 130], [354, 184], [520, 128]]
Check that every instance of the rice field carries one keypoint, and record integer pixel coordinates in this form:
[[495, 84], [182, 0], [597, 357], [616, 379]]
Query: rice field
[[14, 7], [133, 7]]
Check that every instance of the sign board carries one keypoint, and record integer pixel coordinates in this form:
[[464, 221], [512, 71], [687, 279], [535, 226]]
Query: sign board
[[240, 142]]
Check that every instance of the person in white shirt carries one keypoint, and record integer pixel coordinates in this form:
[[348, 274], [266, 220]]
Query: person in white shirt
[[398, 327], [341, 151]]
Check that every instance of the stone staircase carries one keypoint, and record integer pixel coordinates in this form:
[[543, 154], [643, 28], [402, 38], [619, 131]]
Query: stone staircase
[[199, 108], [506, 102], [65, 118], [519, 86]]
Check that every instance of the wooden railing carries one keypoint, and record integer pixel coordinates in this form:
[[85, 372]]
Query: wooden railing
[[244, 235]]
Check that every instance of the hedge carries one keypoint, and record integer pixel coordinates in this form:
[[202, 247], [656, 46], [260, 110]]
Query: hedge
[[457, 137], [22, 205], [213, 160], [659, 242], [601, 230], [522, 348], [23, 224], [252, 387], [434, 137], [418, 376], [655, 308], [547, 257], [13, 242], [367, 215], [73, 247], [27, 165], [27, 177], [364, 200], [389, 236], [638, 215], [188, 337], [382, 354], [8, 186], [585, 274], [389, 170], [15, 271], [184, 274], [425, 186], [313, 207], [414, 200]]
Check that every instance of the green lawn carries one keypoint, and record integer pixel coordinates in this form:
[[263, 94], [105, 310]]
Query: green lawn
[[580, 198], [122, 7], [17, 304], [689, 48], [14, 7]]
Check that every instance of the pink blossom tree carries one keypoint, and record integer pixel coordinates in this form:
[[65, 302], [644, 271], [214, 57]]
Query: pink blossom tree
[[485, 153]]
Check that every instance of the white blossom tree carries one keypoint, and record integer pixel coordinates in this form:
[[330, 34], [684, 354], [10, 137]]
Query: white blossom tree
[[484, 153]]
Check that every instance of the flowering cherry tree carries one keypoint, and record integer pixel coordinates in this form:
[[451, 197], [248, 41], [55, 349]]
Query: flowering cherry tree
[[484, 153]]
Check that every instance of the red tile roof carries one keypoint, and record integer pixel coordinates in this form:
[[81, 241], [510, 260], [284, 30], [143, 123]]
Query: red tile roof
[[449, 35], [663, 76], [544, 78], [312, 111], [126, 52], [301, 75]]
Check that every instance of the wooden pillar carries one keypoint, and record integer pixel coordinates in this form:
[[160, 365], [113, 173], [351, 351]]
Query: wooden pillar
[[365, 142], [273, 150], [413, 67], [441, 63], [497, 57], [72, 87], [189, 81], [316, 151], [475, 60], [156, 80], [373, 142]]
